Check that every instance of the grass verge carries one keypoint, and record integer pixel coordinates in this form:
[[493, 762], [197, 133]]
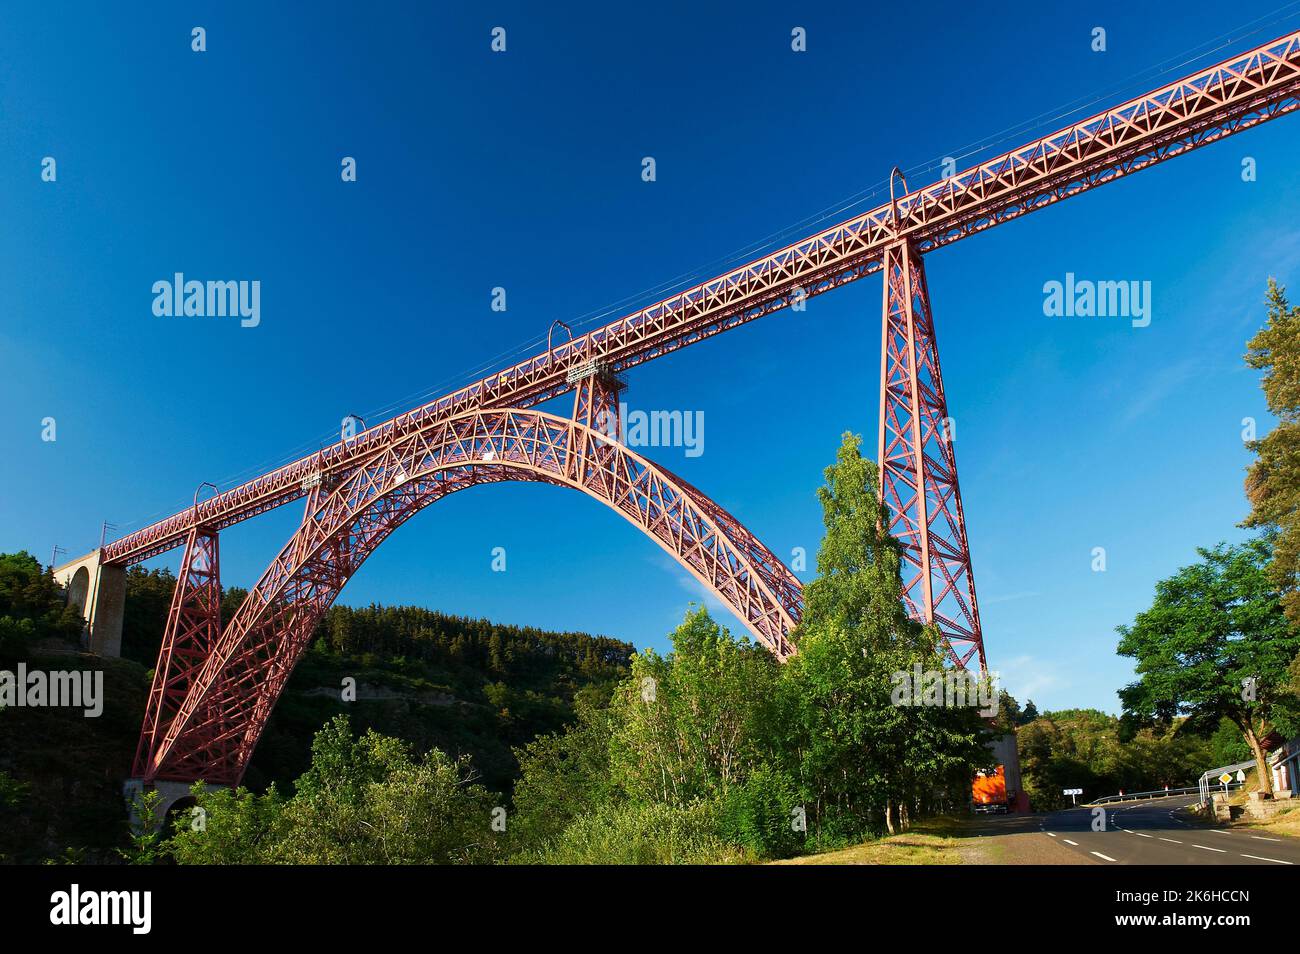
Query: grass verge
[[934, 841]]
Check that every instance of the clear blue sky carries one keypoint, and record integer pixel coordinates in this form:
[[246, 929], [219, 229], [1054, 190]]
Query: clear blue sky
[[522, 170]]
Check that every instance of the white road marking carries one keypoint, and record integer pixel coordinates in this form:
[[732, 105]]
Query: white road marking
[[1274, 860], [1203, 848], [1051, 834], [1100, 855], [1068, 842], [1174, 840], [1262, 838], [1215, 831], [1141, 834]]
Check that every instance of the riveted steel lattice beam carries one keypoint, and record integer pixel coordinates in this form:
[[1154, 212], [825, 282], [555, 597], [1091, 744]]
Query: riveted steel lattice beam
[[215, 729], [1198, 109]]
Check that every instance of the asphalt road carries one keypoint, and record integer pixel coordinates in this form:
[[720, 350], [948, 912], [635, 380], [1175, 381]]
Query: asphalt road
[[1152, 833]]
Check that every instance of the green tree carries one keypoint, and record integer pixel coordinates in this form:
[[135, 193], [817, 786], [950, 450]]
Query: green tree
[[1214, 645], [715, 751], [1009, 714], [696, 722], [369, 800], [366, 800], [860, 757], [32, 606], [144, 612], [1227, 747], [1273, 481], [1053, 756], [859, 565], [1157, 757], [688, 749], [1102, 754], [561, 776], [12, 795], [236, 828], [146, 839]]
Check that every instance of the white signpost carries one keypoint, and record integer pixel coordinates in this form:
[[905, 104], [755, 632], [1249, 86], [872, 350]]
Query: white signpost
[[1072, 792]]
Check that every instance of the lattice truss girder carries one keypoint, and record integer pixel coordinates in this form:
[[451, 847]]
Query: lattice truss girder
[[918, 467], [1201, 108], [222, 716]]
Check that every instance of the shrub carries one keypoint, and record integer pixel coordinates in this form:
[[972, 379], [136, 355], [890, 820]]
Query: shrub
[[643, 834], [760, 814], [238, 828]]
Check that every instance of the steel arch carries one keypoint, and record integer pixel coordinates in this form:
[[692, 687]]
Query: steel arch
[[218, 724]]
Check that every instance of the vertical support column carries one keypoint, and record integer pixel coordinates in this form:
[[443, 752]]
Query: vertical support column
[[595, 405], [595, 402], [193, 628], [918, 468], [98, 589]]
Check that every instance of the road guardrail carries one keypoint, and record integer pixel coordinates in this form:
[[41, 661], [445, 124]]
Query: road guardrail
[[1159, 793]]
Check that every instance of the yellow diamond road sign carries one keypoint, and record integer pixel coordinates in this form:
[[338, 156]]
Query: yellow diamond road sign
[[1225, 778]]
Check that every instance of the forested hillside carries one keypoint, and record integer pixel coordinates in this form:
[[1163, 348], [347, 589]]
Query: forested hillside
[[1095, 751], [468, 687]]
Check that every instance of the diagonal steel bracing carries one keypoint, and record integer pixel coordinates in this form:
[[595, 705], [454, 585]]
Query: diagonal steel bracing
[[918, 466], [193, 628]]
